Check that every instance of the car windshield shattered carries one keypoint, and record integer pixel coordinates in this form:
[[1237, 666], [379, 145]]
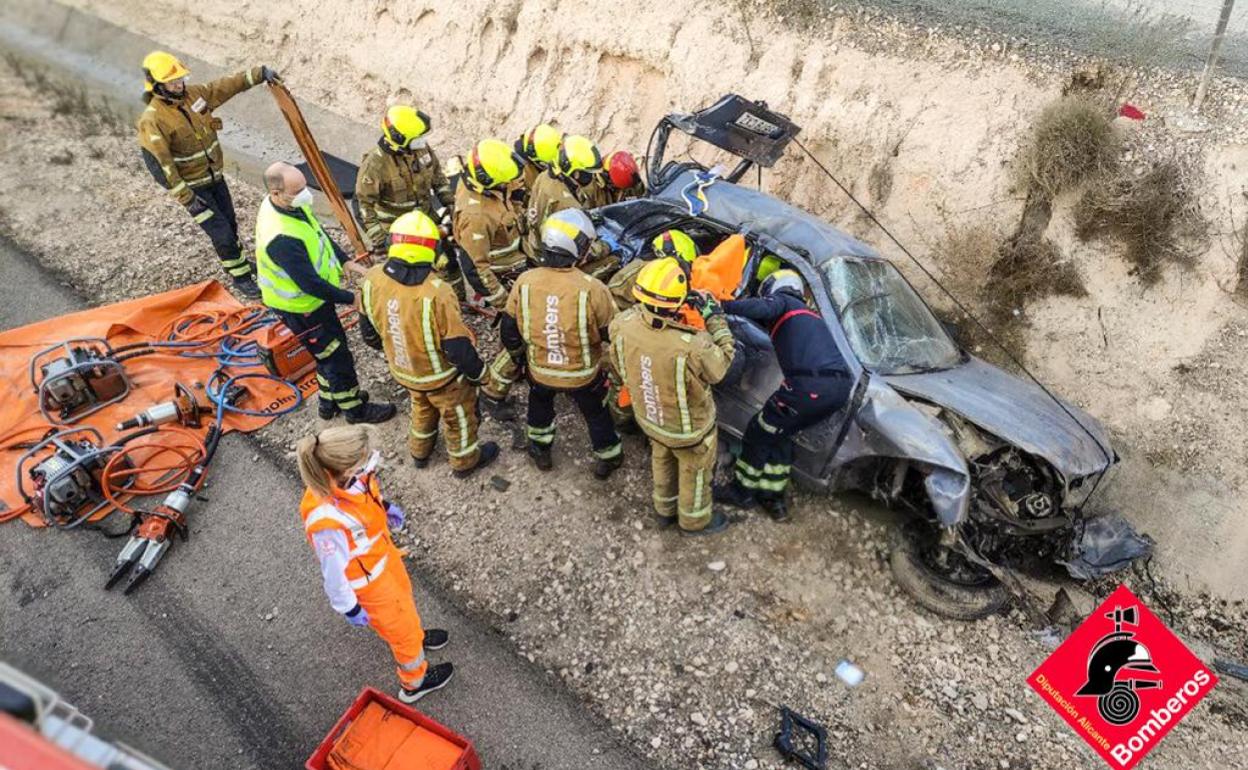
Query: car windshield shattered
[[890, 328]]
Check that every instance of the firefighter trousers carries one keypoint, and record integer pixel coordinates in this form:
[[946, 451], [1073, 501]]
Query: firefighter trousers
[[591, 400], [767, 455], [499, 376], [326, 340], [392, 614], [220, 223], [682, 481], [455, 406]]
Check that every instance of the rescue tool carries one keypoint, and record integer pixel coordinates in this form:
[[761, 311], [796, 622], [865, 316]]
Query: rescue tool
[[65, 485], [83, 379], [184, 409]]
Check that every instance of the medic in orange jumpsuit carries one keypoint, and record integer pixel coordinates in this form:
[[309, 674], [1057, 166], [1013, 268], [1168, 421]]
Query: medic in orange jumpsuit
[[364, 575]]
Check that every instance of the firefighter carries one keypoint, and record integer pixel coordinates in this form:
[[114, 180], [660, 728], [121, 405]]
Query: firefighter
[[816, 383], [576, 181], [669, 367], [554, 326], [539, 147], [623, 176], [487, 219], [348, 523], [413, 315], [300, 271], [669, 243], [401, 174], [178, 137]]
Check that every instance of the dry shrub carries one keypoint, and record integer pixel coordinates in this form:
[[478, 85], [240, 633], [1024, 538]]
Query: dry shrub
[[1147, 212], [1026, 269], [1072, 141]]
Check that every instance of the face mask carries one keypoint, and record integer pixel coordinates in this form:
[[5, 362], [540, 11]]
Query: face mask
[[301, 199]]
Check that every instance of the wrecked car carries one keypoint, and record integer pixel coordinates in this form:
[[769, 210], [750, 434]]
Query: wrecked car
[[991, 468]]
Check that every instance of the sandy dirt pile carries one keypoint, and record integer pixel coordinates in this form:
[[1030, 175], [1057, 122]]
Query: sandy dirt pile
[[686, 648]]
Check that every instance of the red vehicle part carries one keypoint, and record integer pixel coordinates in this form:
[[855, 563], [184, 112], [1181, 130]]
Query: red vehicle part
[[26, 749]]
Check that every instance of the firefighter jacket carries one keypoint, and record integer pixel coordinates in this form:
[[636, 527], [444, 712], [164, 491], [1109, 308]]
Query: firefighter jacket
[[552, 193], [621, 286], [616, 195], [391, 183], [487, 227], [557, 317], [416, 316], [179, 138], [669, 369]]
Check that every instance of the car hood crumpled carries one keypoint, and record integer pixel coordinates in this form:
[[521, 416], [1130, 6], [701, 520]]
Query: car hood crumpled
[[1016, 411]]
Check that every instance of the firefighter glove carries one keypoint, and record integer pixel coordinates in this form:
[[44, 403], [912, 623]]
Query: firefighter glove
[[357, 616], [395, 516], [709, 306], [269, 75]]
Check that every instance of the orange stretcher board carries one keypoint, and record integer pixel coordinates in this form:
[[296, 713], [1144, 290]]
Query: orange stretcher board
[[152, 377]]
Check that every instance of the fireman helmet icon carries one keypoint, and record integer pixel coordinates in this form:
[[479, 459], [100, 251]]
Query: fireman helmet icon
[[1112, 666]]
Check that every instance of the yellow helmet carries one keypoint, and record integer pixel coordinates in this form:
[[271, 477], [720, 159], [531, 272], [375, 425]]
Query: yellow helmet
[[769, 264], [661, 284], [675, 244], [414, 238], [162, 67], [578, 154], [402, 124], [540, 144], [492, 163]]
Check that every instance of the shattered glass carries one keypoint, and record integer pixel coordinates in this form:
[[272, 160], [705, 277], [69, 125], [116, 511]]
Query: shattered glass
[[889, 327]]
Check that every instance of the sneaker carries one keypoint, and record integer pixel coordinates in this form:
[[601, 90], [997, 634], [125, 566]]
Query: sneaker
[[489, 453], [604, 468], [436, 639], [733, 494], [328, 410], [247, 287], [501, 410], [776, 507], [421, 462], [436, 677], [718, 523], [374, 413], [540, 456]]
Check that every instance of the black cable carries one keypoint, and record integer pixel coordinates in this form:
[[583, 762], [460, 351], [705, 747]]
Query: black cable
[[965, 311]]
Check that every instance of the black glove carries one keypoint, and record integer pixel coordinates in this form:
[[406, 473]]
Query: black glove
[[695, 300], [269, 75]]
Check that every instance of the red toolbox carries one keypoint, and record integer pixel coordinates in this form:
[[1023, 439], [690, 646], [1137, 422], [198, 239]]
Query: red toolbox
[[378, 732]]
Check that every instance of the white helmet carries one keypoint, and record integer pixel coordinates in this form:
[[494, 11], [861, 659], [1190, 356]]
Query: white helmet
[[566, 237]]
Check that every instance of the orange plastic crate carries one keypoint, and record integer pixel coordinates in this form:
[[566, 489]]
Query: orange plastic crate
[[378, 732]]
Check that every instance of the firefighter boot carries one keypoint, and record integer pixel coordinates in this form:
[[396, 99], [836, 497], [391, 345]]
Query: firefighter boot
[[328, 410], [489, 453], [734, 494], [775, 506], [374, 413], [540, 455]]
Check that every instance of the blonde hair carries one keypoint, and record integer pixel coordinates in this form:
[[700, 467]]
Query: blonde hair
[[324, 458]]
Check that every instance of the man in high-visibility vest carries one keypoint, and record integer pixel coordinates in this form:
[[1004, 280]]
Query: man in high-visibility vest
[[412, 314], [178, 136], [300, 277], [555, 325]]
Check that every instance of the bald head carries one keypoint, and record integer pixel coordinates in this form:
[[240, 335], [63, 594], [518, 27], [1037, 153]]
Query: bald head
[[284, 182]]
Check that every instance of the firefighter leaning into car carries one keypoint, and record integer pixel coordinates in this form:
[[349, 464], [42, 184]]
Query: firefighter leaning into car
[[816, 383], [574, 182], [413, 315], [178, 136], [623, 177], [555, 326], [487, 219], [300, 273], [348, 523], [539, 147], [670, 367], [402, 174]]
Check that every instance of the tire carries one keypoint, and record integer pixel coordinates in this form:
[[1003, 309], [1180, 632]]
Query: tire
[[936, 592]]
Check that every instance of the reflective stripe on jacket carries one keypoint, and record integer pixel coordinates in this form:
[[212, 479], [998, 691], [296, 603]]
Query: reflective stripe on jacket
[[412, 322], [391, 184], [278, 290], [487, 227], [358, 512], [561, 313]]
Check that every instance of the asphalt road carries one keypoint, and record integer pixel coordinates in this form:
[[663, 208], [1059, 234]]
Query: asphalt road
[[188, 670]]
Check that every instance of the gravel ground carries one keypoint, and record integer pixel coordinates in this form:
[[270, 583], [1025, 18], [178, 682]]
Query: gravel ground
[[685, 647]]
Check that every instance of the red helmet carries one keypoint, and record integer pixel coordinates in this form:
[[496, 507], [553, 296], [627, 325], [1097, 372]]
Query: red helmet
[[622, 168]]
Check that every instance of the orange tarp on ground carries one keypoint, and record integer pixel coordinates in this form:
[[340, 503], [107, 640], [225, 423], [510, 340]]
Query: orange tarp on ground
[[152, 377]]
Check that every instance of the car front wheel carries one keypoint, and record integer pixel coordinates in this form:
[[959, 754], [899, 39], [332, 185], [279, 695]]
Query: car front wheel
[[942, 580]]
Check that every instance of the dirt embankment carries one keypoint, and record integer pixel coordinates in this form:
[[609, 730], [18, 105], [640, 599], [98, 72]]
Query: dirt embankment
[[687, 648]]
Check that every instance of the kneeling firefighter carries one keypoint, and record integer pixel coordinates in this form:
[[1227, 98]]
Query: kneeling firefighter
[[555, 325], [669, 367], [816, 384], [413, 315], [348, 525]]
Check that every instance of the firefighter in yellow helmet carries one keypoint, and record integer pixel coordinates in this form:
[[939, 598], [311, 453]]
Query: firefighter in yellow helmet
[[401, 174], [539, 147], [413, 315], [487, 220], [178, 136], [669, 243], [670, 368], [575, 181], [555, 325]]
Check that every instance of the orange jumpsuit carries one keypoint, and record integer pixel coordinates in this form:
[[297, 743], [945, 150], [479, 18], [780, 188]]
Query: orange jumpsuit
[[370, 572]]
